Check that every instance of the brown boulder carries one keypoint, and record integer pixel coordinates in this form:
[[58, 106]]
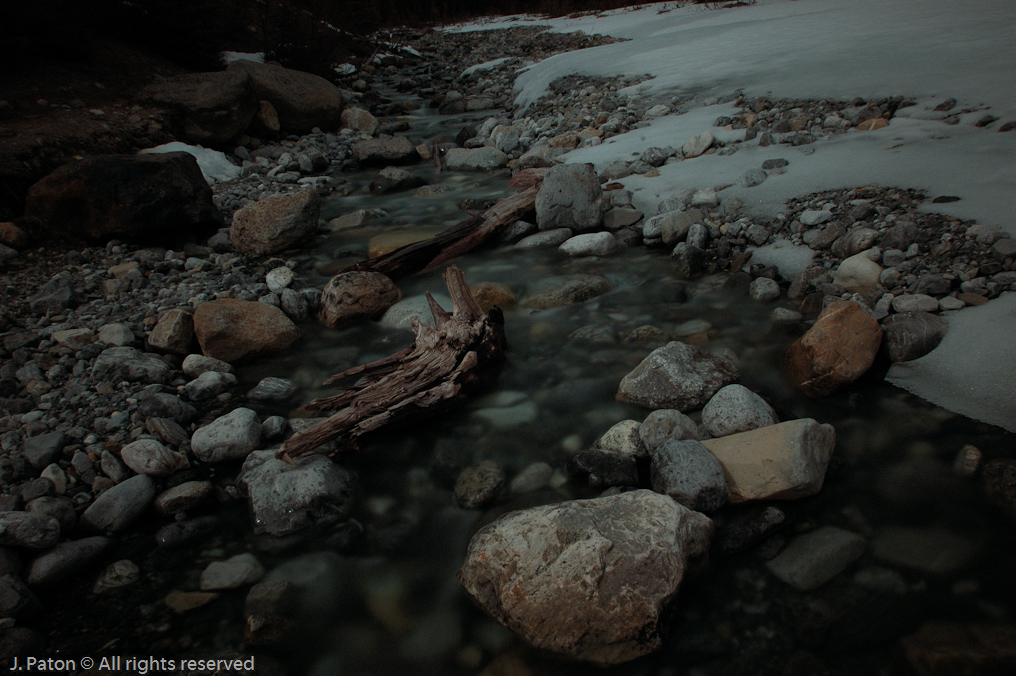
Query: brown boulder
[[302, 100], [837, 350], [214, 107], [106, 196], [275, 223], [590, 579], [231, 329], [351, 295]]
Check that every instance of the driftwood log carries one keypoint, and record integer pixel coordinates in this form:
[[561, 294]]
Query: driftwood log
[[452, 242], [463, 352]]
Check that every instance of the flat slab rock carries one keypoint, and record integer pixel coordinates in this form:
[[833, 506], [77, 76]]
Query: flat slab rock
[[586, 578]]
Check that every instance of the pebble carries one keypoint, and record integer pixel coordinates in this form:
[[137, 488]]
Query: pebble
[[117, 575]]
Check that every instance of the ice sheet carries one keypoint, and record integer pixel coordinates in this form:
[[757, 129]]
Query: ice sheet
[[215, 166]]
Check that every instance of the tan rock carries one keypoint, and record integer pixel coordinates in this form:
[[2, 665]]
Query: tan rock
[[267, 117], [351, 295], [120, 270], [837, 350], [873, 124], [231, 329], [780, 462], [273, 224], [174, 332], [181, 602], [387, 242], [359, 119], [74, 338], [490, 294]]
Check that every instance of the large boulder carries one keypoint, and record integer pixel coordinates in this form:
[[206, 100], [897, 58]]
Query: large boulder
[[351, 295], [274, 224], [678, 376], [778, 462], [909, 335], [570, 197], [230, 329], [586, 578], [214, 107], [302, 100], [287, 499], [837, 350], [139, 196]]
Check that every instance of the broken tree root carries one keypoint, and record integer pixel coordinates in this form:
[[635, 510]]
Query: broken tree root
[[463, 352]]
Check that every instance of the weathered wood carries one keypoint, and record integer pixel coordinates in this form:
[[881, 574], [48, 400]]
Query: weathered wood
[[463, 352], [453, 242]]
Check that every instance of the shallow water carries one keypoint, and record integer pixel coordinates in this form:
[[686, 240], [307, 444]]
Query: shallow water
[[387, 601]]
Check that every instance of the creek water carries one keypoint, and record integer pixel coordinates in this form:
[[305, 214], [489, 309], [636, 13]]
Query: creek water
[[390, 603]]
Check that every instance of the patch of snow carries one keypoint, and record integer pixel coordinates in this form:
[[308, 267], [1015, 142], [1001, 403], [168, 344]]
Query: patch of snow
[[789, 258], [344, 69], [215, 166], [967, 372], [229, 57], [487, 65]]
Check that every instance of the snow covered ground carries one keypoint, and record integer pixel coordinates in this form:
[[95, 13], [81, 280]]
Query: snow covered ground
[[924, 50]]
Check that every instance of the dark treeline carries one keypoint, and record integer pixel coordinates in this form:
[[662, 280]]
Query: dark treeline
[[306, 34]]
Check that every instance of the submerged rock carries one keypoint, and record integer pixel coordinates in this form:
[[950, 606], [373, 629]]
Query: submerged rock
[[586, 578], [286, 499], [814, 558]]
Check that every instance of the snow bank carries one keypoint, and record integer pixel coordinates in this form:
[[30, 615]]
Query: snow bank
[[214, 165], [229, 57], [971, 371]]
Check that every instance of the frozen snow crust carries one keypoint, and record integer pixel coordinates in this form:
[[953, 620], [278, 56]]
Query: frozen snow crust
[[940, 75]]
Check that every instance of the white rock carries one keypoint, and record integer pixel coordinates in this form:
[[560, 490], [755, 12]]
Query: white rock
[[590, 244], [763, 289], [279, 279], [697, 144], [624, 438], [814, 216]]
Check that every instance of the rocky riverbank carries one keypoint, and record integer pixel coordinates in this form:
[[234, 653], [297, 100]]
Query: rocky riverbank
[[132, 448]]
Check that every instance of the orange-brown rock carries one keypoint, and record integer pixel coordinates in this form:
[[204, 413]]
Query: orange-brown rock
[[837, 350], [491, 294], [231, 329]]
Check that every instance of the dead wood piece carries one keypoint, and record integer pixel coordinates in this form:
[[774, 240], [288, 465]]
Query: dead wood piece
[[453, 242], [463, 352]]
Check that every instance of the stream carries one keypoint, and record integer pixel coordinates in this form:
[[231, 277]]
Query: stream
[[380, 595]]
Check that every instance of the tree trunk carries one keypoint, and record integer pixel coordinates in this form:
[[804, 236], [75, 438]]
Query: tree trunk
[[464, 352]]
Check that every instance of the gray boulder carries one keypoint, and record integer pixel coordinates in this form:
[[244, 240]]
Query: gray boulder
[[229, 437], [127, 363], [734, 409], [570, 197], [589, 579], [689, 473], [909, 335], [120, 506], [27, 530], [286, 499], [676, 375]]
